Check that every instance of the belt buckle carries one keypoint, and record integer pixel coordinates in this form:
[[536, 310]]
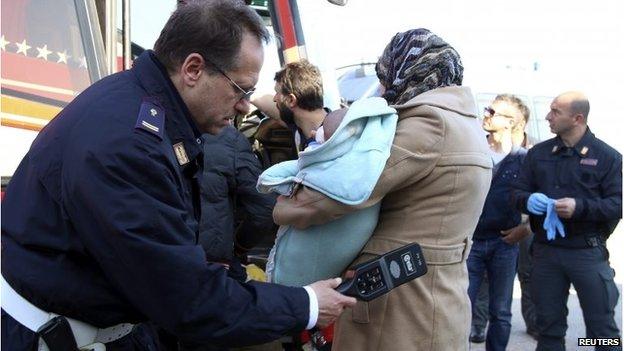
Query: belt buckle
[[592, 241], [57, 334]]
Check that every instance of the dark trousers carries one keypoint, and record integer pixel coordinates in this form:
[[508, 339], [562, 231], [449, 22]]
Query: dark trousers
[[525, 266], [480, 307], [499, 260], [16, 337], [554, 269]]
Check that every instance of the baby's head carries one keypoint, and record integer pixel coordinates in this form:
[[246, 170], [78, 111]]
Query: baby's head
[[330, 125]]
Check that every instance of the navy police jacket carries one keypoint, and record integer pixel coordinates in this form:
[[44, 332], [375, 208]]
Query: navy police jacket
[[498, 212], [100, 221], [590, 172]]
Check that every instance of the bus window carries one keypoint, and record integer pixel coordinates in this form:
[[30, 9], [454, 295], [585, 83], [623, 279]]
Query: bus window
[[358, 81], [44, 65]]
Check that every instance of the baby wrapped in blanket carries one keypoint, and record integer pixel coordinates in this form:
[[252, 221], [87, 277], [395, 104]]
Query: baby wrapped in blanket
[[345, 165]]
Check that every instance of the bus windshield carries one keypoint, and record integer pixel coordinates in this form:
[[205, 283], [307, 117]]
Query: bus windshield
[[44, 65]]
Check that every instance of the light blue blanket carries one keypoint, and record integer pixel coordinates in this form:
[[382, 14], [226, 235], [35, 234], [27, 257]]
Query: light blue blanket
[[345, 168]]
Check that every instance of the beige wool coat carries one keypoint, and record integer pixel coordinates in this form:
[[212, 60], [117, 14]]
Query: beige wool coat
[[432, 190]]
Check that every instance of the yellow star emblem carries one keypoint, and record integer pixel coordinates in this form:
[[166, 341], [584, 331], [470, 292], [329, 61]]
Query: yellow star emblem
[[62, 57], [22, 48], [43, 52], [3, 43]]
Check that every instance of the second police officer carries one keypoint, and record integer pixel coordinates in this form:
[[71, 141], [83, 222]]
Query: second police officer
[[571, 186]]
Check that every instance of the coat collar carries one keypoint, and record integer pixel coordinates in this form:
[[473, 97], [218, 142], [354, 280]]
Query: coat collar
[[179, 124], [457, 99], [581, 148]]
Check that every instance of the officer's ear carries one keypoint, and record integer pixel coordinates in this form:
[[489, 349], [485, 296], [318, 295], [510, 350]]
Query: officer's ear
[[192, 69]]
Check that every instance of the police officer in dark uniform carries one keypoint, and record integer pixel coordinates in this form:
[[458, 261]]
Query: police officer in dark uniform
[[100, 221], [580, 178]]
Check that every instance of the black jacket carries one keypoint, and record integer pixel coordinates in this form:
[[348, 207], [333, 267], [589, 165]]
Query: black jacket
[[498, 212], [230, 202], [590, 172]]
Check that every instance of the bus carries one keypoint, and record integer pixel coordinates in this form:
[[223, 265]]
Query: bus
[[51, 50]]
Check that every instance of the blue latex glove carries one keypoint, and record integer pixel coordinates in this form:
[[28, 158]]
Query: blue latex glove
[[552, 223], [538, 203]]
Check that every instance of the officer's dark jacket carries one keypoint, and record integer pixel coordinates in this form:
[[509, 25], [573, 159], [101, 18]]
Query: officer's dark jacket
[[98, 222], [498, 212], [590, 172], [228, 187]]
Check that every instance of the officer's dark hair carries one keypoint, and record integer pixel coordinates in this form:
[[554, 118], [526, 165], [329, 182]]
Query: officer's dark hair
[[580, 106], [517, 103], [211, 28], [303, 80]]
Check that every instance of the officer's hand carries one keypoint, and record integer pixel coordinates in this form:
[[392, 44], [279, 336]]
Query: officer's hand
[[565, 207], [331, 303], [537, 203], [515, 234]]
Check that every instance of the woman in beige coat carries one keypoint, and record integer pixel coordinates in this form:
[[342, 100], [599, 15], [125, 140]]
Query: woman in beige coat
[[431, 190]]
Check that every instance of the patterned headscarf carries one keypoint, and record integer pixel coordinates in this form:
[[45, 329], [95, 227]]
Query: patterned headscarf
[[417, 61]]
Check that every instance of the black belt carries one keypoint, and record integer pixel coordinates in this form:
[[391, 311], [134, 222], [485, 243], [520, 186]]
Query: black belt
[[575, 241]]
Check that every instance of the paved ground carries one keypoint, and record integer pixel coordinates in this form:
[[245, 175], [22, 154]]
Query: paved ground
[[520, 341]]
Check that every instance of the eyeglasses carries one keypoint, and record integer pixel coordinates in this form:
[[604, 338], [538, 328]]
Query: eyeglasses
[[490, 112], [246, 94]]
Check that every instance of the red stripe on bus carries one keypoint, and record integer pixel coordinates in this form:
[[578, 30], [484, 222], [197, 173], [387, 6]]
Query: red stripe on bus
[[286, 23], [47, 73]]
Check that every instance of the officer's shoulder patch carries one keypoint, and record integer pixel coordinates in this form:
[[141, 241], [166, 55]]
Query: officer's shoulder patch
[[151, 117]]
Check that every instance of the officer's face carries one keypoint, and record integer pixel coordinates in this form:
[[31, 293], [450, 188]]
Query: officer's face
[[219, 97], [559, 118]]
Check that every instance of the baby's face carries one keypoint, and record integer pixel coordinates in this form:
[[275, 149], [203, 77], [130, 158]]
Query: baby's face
[[330, 125], [319, 136]]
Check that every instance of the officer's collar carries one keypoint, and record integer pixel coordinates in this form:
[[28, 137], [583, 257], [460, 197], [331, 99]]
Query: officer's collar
[[179, 124], [581, 148]]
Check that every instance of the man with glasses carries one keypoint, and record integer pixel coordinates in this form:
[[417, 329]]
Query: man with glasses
[[499, 229], [100, 221], [480, 309]]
